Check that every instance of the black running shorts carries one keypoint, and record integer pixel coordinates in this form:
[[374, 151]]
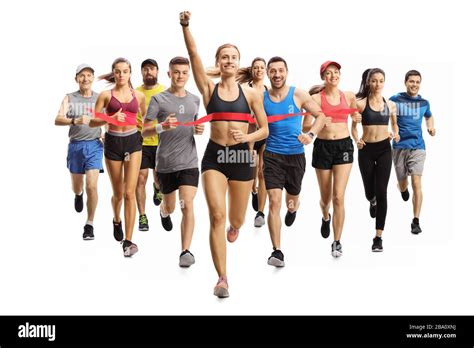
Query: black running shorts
[[170, 182], [327, 153], [118, 148], [236, 162], [284, 171]]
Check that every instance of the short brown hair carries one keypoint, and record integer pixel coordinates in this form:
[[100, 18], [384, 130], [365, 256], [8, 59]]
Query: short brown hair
[[179, 61]]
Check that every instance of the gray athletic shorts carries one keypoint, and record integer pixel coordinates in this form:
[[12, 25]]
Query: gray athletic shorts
[[408, 162]]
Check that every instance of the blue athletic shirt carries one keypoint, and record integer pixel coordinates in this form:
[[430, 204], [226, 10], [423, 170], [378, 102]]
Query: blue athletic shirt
[[410, 113], [283, 135]]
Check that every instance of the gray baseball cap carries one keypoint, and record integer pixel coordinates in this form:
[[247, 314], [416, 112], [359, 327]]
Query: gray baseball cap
[[82, 67]]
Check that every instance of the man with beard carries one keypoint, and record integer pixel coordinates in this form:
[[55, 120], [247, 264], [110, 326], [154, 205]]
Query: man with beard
[[284, 159], [150, 87]]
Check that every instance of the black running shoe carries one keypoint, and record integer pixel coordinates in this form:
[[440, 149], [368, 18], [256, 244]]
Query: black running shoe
[[88, 232], [290, 218], [157, 197], [79, 202], [377, 245], [118, 232], [405, 195], [276, 259], [143, 223], [326, 227], [373, 210], [255, 201], [166, 223], [415, 226], [336, 249]]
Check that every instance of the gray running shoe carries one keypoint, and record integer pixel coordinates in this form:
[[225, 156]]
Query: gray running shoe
[[186, 259], [259, 219], [221, 289]]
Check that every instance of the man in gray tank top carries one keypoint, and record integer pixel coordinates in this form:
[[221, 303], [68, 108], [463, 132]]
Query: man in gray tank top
[[85, 148], [176, 157]]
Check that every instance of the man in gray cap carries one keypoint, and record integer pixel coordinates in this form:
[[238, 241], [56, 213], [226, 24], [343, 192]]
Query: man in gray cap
[[85, 149]]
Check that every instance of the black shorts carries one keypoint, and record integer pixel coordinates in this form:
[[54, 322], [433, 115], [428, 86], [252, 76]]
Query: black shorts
[[258, 144], [117, 148], [148, 157], [327, 153], [284, 171], [170, 182], [236, 162]]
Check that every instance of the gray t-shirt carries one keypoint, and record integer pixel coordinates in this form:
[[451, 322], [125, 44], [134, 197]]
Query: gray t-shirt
[[177, 148], [78, 106]]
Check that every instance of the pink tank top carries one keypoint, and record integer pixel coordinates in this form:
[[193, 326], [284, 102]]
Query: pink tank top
[[115, 105], [331, 110]]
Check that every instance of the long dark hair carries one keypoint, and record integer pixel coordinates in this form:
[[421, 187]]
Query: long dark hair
[[364, 89], [110, 76], [244, 75], [316, 89]]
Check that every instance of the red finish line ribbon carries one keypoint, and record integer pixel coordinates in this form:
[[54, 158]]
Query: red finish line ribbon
[[130, 119]]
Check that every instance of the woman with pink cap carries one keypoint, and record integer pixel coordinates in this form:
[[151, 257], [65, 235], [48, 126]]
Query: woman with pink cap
[[333, 149]]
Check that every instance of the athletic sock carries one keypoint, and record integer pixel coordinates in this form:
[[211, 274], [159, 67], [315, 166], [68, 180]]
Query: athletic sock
[[91, 223]]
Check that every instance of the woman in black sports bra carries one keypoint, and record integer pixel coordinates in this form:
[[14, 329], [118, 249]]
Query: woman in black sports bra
[[375, 151], [226, 164], [254, 76]]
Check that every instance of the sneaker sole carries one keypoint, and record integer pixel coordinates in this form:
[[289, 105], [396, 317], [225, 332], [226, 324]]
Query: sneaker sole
[[221, 292], [187, 262], [88, 238], [143, 229], [258, 224], [377, 250], [336, 253], [129, 253], [273, 261]]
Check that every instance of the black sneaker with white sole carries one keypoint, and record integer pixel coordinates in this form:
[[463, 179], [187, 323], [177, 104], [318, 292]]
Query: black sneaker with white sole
[[377, 245], [276, 259], [88, 232], [336, 249]]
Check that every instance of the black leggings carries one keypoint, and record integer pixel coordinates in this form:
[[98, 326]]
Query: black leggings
[[375, 163]]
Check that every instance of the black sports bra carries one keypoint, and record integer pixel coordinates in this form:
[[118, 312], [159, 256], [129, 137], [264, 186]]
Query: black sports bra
[[375, 118], [216, 104]]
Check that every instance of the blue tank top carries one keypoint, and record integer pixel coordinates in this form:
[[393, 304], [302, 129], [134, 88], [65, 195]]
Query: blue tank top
[[283, 135]]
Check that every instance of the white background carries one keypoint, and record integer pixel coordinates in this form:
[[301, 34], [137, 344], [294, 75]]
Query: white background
[[45, 266]]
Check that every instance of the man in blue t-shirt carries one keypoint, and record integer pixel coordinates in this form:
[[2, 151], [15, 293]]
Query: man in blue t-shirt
[[409, 153]]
